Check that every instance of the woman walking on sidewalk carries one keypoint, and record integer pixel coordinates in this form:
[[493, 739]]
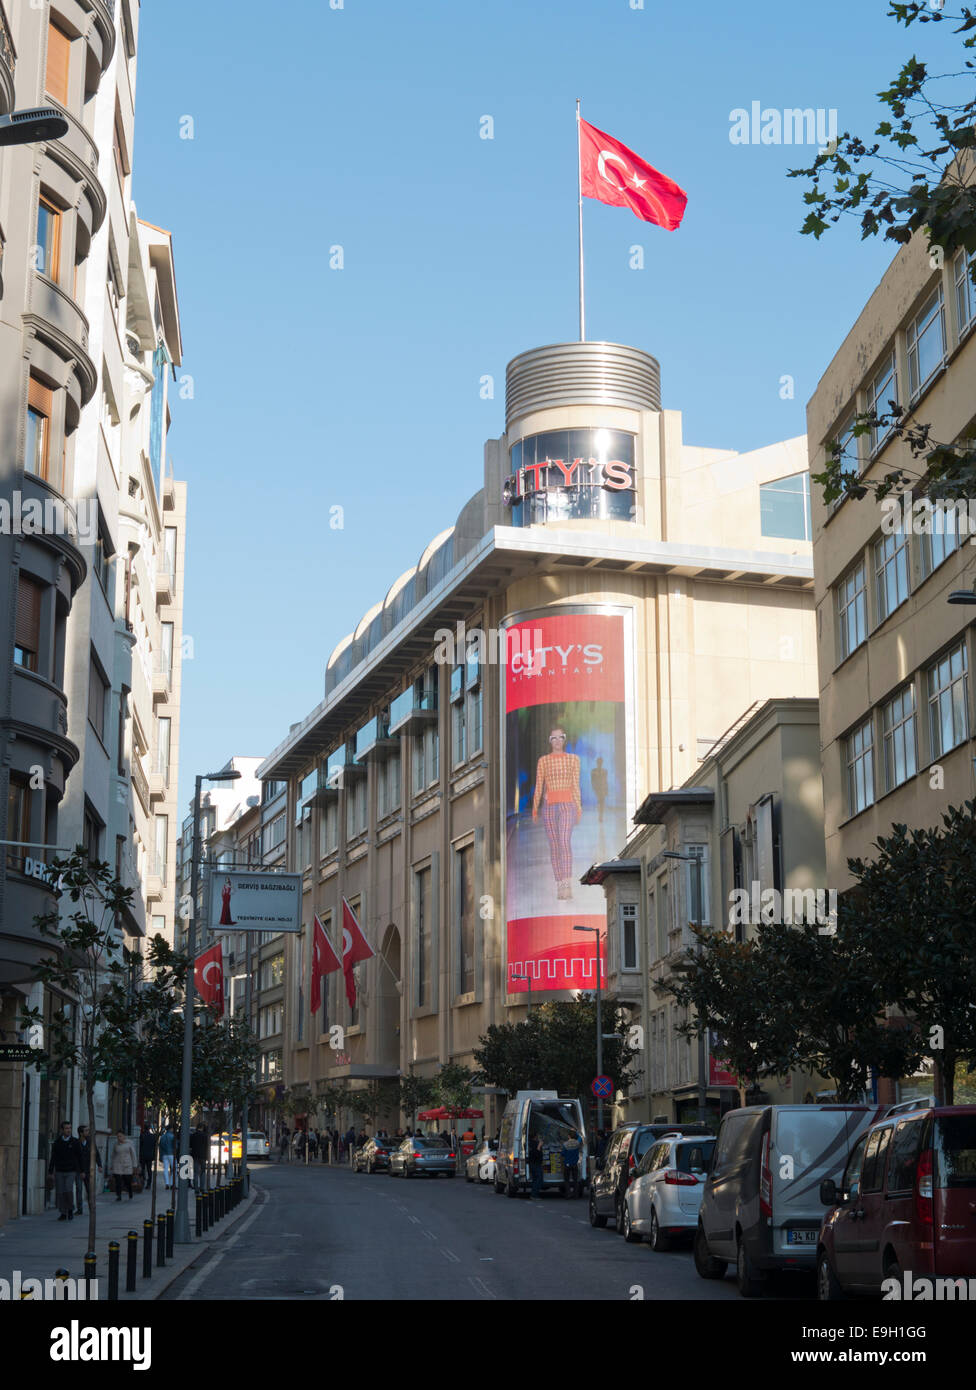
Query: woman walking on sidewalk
[[124, 1164]]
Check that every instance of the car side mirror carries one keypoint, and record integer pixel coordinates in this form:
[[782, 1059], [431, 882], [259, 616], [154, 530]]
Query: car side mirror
[[828, 1192]]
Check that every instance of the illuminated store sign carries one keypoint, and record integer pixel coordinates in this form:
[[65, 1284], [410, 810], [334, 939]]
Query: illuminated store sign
[[572, 475]]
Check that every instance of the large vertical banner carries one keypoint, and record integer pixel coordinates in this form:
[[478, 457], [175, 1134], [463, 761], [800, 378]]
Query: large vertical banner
[[565, 791]]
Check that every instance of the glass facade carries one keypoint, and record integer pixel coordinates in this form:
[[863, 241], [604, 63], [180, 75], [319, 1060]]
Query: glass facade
[[566, 475]]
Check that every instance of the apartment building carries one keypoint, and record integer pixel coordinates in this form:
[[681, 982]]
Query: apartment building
[[895, 657], [623, 596], [89, 339]]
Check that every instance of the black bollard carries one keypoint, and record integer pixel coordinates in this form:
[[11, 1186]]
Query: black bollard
[[131, 1253], [205, 1210], [113, 1271], [169, 1232], [208, 1219], [147, 1248], [199, 1210], [91, 1261], [160, 1241]]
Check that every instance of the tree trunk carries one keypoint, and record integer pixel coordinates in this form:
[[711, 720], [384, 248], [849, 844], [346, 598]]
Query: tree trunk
[[92, 1188], [938, 1081], [949, 1078]]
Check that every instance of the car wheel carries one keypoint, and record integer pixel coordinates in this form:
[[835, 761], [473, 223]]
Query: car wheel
[[747, 1276], [510, 1189], [630, 1235], [707, 1265], [659, 1241], [595, 1218], [499, 1188], [828, 1288]]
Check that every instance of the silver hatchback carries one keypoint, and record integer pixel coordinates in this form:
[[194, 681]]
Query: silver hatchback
[[416, 1156]]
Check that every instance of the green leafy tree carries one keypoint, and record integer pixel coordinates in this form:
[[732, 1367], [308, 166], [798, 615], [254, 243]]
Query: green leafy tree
[[416, 1093], [453, 1083]]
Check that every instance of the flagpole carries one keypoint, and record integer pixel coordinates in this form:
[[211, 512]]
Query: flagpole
[[579, 173]]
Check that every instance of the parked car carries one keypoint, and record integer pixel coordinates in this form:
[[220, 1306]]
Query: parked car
[[905, 1202], [257, 1144], [418, 1155], [663, 1199], [761, 1205], [626, 1147], [480, 1166], [552, 1118], [373, 1156]]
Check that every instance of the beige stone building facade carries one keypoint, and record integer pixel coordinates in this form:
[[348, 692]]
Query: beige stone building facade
[[681, 575]]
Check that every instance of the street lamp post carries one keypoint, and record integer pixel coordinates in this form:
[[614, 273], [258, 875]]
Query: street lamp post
[[30, 126], [528, 1002], [700, 914], [181, 1220], [599, 1023]]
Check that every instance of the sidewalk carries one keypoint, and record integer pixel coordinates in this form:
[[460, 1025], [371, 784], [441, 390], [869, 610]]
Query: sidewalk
[[39, 1245]]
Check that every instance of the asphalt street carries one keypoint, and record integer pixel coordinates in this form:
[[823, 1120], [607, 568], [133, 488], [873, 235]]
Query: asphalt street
[[327, 1233]]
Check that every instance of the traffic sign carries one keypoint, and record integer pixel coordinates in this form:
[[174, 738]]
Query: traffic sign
[[602, 1087], [17, 1052]]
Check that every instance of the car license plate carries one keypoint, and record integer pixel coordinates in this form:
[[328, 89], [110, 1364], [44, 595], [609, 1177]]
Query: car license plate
[[801, 1237]]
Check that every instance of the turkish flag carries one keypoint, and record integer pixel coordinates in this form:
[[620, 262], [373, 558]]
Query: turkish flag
[[324, 961], [355, 947], [208, 974], [613, 174]]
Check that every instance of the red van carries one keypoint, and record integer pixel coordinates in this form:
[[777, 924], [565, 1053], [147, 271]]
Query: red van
[[906, 1204]]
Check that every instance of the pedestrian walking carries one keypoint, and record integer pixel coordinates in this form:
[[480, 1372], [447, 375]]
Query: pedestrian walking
[[147, 1154], [65, 1164], [82, 1180], [198, 1152], [535, 1157], [167, 1148], [124, 1164], [283, 1147]]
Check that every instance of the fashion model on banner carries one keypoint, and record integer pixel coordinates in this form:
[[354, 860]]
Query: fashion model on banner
[[557, 786]]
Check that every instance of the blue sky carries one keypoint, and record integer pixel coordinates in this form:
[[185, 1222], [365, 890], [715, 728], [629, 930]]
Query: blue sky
[[360, 387]]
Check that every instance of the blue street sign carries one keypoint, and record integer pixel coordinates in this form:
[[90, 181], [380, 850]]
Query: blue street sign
[[602, 1087]]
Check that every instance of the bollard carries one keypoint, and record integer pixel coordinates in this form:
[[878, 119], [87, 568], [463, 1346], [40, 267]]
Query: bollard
[[147, 1248], [205, 1205], [169, 1232], [90, 1262], [220, 1201], [199, 1210], [113, 1271], [131, 1252], [209, 1216], [160, 1241]]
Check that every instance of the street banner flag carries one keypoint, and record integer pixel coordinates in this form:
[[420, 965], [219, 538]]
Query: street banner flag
[[324, 961], [613, 174], [355, 948], [208, 974]]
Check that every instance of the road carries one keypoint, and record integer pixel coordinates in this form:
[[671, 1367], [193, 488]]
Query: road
[[324, 1233]]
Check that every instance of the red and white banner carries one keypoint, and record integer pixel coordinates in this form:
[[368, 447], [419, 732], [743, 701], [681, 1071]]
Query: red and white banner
[[324, 961], [208, 975], [613, 174], [355, 948]]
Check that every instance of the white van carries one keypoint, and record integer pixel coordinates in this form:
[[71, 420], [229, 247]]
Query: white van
[[554, 1119]]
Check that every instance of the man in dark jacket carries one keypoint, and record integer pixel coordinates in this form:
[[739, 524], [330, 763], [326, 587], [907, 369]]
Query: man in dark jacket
[[147, 1154], [65, 1164], [198, 1152], [535, 1156], [82, 1179]]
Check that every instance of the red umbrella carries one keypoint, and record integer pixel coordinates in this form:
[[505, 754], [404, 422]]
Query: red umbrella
[[443, 1113]]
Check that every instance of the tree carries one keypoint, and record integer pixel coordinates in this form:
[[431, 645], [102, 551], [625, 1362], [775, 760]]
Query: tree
[[416, 1093], [555, 1049], [453, 1085]]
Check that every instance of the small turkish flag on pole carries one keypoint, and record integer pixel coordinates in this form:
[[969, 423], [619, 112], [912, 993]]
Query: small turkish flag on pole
[[208, 974], [324, 961], [613, 174], [355, 947]]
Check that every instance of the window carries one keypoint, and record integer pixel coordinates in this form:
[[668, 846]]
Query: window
[[849, 444], [120, 764], [458, 737], [948, 695], [629, 957], [163, 731], [698, 909], [852, 610], [329, 829], [166, 649], [58, 64], [357, 808], [941, 540], [47, 254], [422, 917], [875, 1153], [27, 636], [898, 723], [859, 748], [663, 923], [926, 343], [103, 563], [883, 389], [464, 863], [426, 759], [784, 508], [388, 787], [161, 846], [37, 451], [965, 289], [891, 571], [270, 1020], [300, 986], [98, 688], [118, 147], [91, 835], [169, 550], [272, 972], [905, 1149], [274, 833]]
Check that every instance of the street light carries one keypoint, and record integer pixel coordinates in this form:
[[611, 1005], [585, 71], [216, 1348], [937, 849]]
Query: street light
[[702, 1063], [26, 127], [962, 596], [528, 1004], [599, 1023], [181, 1221]]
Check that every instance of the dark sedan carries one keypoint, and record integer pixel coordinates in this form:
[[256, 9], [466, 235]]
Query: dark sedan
[[373, 1156], [417, 1156]]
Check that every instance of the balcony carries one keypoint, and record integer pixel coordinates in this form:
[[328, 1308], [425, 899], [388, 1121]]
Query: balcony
[[162, 674], [140, 785], [8, 61], [165, 580], [77, 153], [156, 877], [373, 741], [57, 322], [414, 710]]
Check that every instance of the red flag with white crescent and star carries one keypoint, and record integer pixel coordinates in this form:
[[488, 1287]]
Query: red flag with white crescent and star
[[208, 974], [324, 961], [355, 947], [613, 174]]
